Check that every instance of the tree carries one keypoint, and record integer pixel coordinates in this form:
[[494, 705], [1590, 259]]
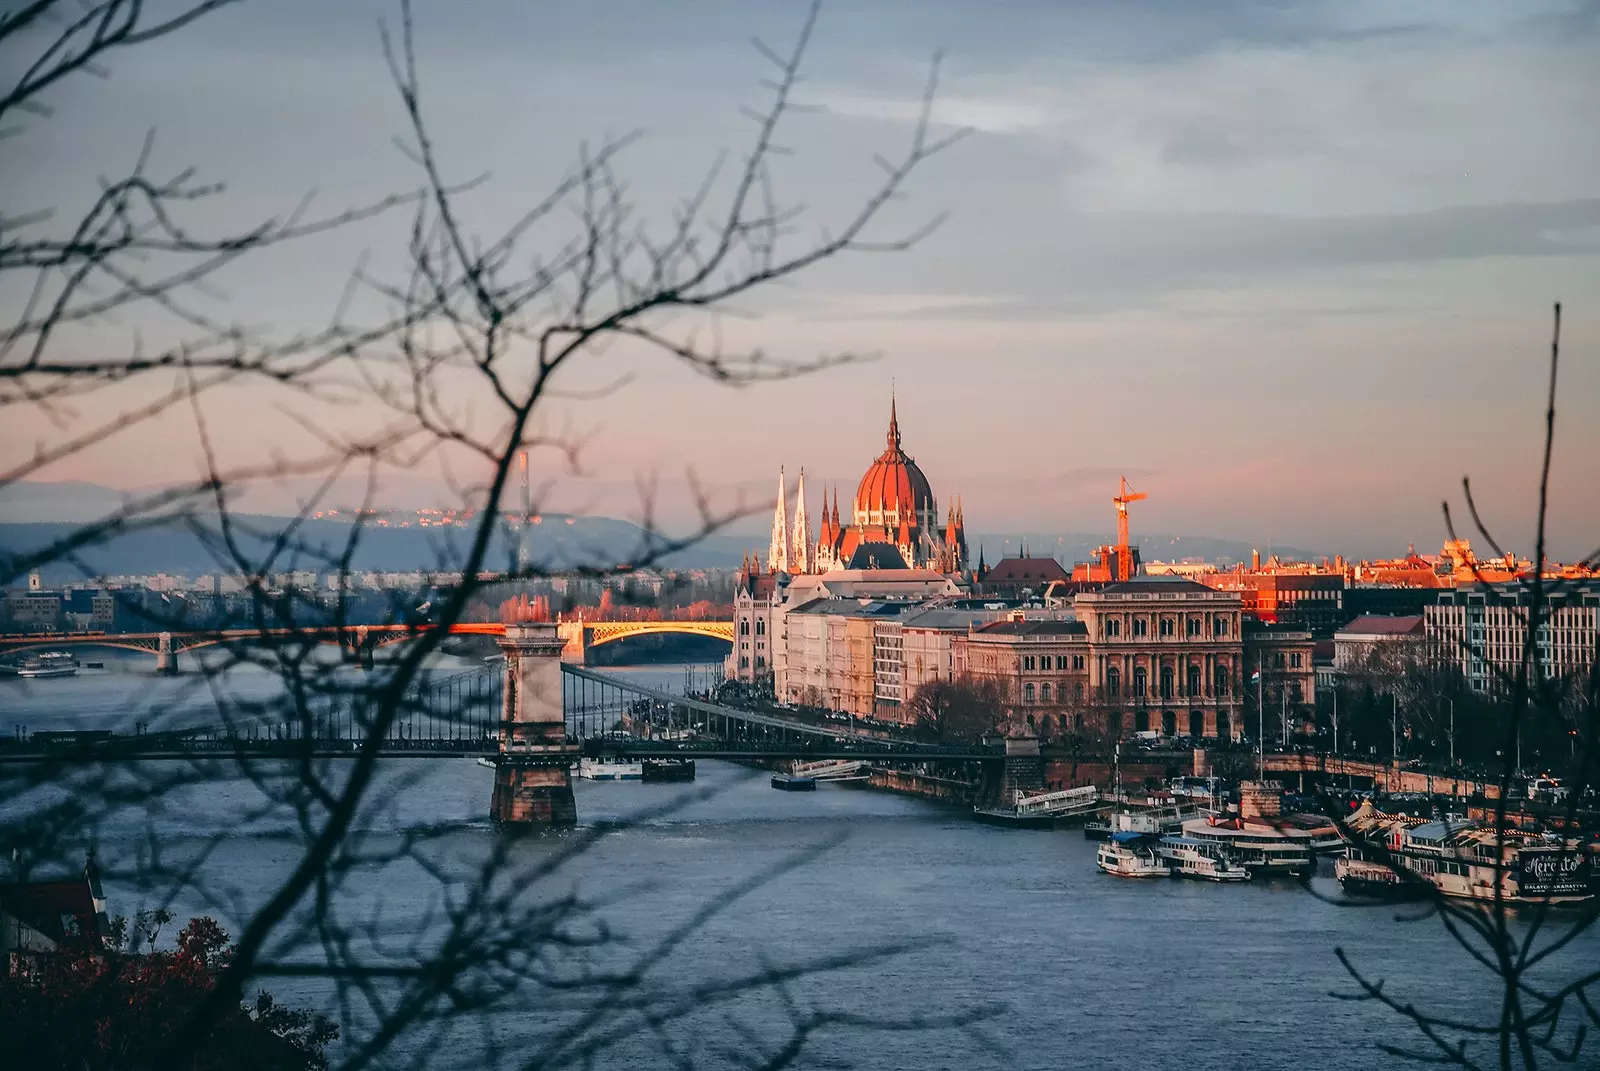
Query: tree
[[79, 1007], [961, 710], [1547, 1007], [459, 345]]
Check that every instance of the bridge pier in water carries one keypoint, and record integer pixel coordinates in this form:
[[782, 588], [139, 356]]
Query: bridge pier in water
[[533, 771], [166, 660]]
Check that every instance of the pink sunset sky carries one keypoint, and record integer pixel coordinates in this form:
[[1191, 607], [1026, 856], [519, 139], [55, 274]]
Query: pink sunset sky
[[1290, 269]]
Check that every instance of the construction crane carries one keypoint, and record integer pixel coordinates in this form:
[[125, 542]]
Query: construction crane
[[527, 511], [1124, 552]]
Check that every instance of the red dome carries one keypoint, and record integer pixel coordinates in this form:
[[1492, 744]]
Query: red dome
[[894, 490]]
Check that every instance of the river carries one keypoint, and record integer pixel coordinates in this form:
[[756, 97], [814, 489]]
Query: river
[[1082, 970]]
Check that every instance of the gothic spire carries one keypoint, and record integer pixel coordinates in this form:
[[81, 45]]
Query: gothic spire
[[800, 531], [778, 550], [894, 424]]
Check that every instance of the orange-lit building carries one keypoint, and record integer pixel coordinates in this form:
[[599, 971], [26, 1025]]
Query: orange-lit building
[[894, 521]]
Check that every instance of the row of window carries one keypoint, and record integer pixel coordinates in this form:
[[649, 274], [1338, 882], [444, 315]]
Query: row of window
[[1166, 627], [1042, 663], [761, 626], [1141, 681]]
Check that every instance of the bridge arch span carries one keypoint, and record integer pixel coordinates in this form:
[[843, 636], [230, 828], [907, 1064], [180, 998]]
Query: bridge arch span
[[611, 631]]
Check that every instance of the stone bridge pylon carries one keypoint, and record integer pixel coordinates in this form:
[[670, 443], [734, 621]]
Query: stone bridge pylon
[[533, 770]]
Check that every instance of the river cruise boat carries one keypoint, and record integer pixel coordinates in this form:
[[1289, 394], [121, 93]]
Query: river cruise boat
[[1472, 862], [1362, 877], [1187, 857], [1154, 817], [1131, 855], [666, 770], [610, 769], [1259, 845], [49, 664]]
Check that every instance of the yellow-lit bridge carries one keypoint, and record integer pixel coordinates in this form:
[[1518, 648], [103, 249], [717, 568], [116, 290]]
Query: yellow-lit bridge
[[167, 645]]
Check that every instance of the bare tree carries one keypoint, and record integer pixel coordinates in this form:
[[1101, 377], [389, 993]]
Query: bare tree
[[474, 338], [1528, 950]]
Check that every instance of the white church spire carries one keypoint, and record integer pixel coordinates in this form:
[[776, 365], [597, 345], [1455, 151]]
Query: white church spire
[[778, 552], [800, 531]]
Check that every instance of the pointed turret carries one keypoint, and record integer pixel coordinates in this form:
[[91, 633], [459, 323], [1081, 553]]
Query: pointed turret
[[778, 550], [894, 424], [800, 531]]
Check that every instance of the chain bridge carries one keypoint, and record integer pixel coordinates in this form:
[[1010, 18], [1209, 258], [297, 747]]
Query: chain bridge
[[532, 718]]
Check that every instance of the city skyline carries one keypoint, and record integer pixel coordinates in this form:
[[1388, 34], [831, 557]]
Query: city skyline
[[1289, 270]]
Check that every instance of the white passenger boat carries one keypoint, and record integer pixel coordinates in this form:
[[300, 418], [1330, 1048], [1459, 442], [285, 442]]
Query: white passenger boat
[[1257, 844], [610, 769], [1131, 855], [1191, 858], [50, 664]]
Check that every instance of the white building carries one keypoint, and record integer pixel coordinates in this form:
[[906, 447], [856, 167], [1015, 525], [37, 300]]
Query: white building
[[1483, 629]]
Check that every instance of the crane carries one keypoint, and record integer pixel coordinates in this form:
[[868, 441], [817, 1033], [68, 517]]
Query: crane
[[1124, 552]]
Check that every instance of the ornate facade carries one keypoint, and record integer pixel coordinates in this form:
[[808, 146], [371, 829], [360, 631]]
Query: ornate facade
[[894, 522]]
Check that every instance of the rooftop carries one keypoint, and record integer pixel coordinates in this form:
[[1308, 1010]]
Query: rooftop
[[1034, 628], [1380, 625]]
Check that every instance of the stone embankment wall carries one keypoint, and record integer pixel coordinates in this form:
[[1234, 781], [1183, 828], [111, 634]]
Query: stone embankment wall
[[928, 786]]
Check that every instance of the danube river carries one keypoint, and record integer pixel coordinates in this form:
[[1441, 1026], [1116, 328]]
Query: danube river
[[1077, 969]]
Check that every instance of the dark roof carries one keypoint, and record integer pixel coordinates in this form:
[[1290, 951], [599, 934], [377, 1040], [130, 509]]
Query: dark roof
[[1379, 625], [1035, 628], [61, 910], [1026, 571], [1162, 584], [876, 556]]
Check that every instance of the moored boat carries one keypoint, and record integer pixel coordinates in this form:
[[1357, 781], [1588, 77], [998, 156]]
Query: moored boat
[[610, 769], [1365, 878], [791, 783], [1469, 861], [1131, 855], [1257, 845], [49, 664], [666, 770], [1187, 857]]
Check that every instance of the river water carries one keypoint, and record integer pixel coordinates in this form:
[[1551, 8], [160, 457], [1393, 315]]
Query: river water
[[1077, 969]]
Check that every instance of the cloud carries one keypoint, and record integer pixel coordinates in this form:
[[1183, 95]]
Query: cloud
[[990, 115]]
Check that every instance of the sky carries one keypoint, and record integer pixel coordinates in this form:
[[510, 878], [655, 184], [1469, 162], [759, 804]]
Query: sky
[[1288, 267]]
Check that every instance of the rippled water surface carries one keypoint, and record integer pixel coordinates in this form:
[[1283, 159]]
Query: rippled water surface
[[1087, 971]]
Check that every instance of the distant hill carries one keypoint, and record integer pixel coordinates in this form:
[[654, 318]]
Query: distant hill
[[176, 547], [32, 503]]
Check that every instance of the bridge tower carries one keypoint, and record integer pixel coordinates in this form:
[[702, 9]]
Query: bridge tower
[[533, 772], [166, 660]]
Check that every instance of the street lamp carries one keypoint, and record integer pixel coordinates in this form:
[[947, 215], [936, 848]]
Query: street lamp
[[1452, 702]]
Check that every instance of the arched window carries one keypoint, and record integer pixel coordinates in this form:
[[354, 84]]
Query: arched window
[[1044, 692], [1219, 627], [1141, 627], [1140, 680], [1077, 723], [1166, 626], [1044, 725], [1169, 723], [1030, 722], [1141, 721], [1197, 724], [1113, 627], [1223, 730], [1113, 682], [1027, 696], [1166, 682], [1222, 680], [1194, 680], [744, 627], [761, 627]]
